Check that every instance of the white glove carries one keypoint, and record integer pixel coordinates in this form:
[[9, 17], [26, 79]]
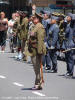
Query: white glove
[[52, 47]]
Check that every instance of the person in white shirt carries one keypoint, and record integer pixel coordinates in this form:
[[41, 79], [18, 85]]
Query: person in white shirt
[[10, 33]]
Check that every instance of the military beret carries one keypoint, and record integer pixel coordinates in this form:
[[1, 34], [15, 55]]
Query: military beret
[[46, 12], [55, 18], [73, 16], [69, 14]]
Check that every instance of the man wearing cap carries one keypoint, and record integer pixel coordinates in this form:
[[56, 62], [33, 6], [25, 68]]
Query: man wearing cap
[[53, 36], [68, 44], [37, 48], [46, 24]]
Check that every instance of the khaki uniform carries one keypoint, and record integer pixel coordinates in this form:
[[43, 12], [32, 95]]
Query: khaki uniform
[[23, 29], [16, 24], [16, 31], [26, 51], [37, 49], [23, 32]]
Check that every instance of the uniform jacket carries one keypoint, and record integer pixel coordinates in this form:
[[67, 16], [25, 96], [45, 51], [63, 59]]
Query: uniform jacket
[[53, 35], [39, 34], [23, 29], [68, 42]]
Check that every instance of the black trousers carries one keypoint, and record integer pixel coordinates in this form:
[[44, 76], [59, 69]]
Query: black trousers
[[2, 38]]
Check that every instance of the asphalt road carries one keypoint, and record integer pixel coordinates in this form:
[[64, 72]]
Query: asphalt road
[[17, 77]]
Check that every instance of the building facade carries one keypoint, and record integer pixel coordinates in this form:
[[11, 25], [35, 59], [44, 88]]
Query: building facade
[[45, 3], [10, 6]]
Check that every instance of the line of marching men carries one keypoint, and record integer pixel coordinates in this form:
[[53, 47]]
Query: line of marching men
[[40, 36]]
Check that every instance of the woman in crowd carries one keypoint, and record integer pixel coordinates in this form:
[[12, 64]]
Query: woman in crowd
[[3, 30]]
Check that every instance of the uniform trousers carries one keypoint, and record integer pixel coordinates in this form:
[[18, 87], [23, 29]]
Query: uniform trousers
[[70, 61], [36, 60]]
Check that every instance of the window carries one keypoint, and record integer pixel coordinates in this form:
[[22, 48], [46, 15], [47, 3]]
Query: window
[[64, 2], [61, 2]]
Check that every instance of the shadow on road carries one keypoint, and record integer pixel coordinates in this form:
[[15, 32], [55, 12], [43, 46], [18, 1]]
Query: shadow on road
[[67, 77], [73, 77], [62, 75], [24, 89]]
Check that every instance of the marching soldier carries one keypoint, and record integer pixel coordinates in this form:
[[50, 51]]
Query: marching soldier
[[22, 32], [37, 48], [30, 28], [23, 29], [69, 44], [16, 31], [53, 36], [46, 24]]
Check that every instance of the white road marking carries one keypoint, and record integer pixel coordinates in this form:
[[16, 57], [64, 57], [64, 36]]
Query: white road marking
[[3, 77], [18, 84], [54, 98], [39, 94]]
